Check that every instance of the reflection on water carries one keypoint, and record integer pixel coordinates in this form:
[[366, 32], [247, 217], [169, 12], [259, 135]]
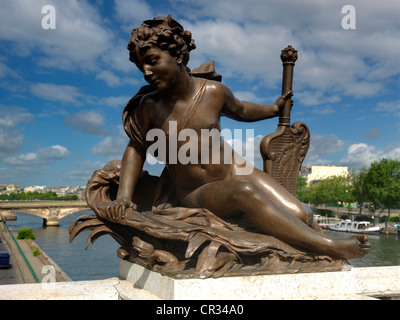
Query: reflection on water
[[100, 260]]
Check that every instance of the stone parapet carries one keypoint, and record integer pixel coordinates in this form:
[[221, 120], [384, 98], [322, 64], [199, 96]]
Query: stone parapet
[[137, 283]]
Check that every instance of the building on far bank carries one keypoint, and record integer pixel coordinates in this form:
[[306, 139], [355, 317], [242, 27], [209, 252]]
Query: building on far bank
[[60, 191], [13, 188], [68, 191], [39, 189], [318, 173]]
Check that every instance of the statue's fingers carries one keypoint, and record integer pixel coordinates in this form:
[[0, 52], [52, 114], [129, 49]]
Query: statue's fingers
[[133, 206], [114, 212], [121, 211], [288, 94], [108, 211]]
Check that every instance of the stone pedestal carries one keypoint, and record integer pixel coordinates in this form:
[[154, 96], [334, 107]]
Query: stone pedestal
[[353, 283]]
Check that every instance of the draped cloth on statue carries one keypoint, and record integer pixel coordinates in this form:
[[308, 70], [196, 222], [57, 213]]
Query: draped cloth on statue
[[187, 242]]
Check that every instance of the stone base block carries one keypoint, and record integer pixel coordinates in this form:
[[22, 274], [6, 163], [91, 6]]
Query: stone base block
[[353, 283]]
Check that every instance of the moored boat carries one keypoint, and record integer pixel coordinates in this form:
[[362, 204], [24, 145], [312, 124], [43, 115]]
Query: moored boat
[[355, 227], [326, 222]]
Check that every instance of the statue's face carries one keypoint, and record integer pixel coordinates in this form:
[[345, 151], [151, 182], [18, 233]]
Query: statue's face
[[160, 69]]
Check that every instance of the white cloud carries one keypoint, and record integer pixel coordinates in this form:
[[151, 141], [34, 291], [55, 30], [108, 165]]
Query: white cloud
[[90, 122], [80, 172], [72, 95], [10, 141], [112, 145], [245, 39], [109, 77], [362, 154], [373, 133], [11, 118], [133, 12], [313, 98], [113, 80], [58, 93], [5, 71], [115, 102], [117, 57], [356, 154], [79, 38], [246, 52], [388, 107], [40, 157], [324, 110], [248, 96], [323, 145]]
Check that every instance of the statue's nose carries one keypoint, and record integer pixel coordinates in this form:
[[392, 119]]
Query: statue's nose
[[147, 73]]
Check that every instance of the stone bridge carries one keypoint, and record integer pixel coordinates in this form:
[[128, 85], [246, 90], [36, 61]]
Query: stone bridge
[[50, 211]]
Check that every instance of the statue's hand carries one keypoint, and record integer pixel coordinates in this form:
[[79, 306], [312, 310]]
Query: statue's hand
[[116, 210], [281, 101]]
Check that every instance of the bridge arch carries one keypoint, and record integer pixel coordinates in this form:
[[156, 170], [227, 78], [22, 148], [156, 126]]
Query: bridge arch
[[51, 212]]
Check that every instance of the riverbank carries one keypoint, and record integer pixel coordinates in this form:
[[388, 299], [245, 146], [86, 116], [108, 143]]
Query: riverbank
[[356, 211], [7, 215], [25, 267]]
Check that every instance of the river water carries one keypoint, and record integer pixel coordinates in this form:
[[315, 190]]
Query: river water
[[100, 260]]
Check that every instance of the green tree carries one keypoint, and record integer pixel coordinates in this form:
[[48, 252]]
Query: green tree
[[26, 233], [320, 192], [342, 189], [383, 183], [37, 196], [360, 187], [331, 191], [302, 190], [323, 192]]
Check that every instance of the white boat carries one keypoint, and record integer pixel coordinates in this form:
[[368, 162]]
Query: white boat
[[326, 222], [355, 227]]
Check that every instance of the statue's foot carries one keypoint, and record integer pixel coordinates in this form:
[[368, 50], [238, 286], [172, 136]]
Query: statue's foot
[[351, 248]]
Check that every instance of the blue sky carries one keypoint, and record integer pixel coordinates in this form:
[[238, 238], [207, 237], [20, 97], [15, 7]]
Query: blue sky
[[62, 91]]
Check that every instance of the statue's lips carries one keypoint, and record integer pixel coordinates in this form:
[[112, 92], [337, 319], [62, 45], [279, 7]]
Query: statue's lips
[[152, 81]]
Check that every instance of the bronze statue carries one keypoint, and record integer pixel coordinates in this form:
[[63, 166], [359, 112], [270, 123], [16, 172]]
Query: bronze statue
[[246, 218]]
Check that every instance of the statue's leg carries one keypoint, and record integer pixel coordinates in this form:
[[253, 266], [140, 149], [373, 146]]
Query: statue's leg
[[229, 198], [281, 196]]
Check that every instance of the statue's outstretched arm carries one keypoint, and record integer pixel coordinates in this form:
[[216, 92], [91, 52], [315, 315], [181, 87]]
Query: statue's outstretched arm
[[250, 111]]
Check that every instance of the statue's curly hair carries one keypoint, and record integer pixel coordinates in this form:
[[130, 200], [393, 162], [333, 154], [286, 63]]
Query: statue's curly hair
[[164, 33]]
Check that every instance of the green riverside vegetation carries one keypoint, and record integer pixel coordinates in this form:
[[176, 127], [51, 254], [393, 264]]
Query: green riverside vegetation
[[377, 186], [26, 233], [28, 196]]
